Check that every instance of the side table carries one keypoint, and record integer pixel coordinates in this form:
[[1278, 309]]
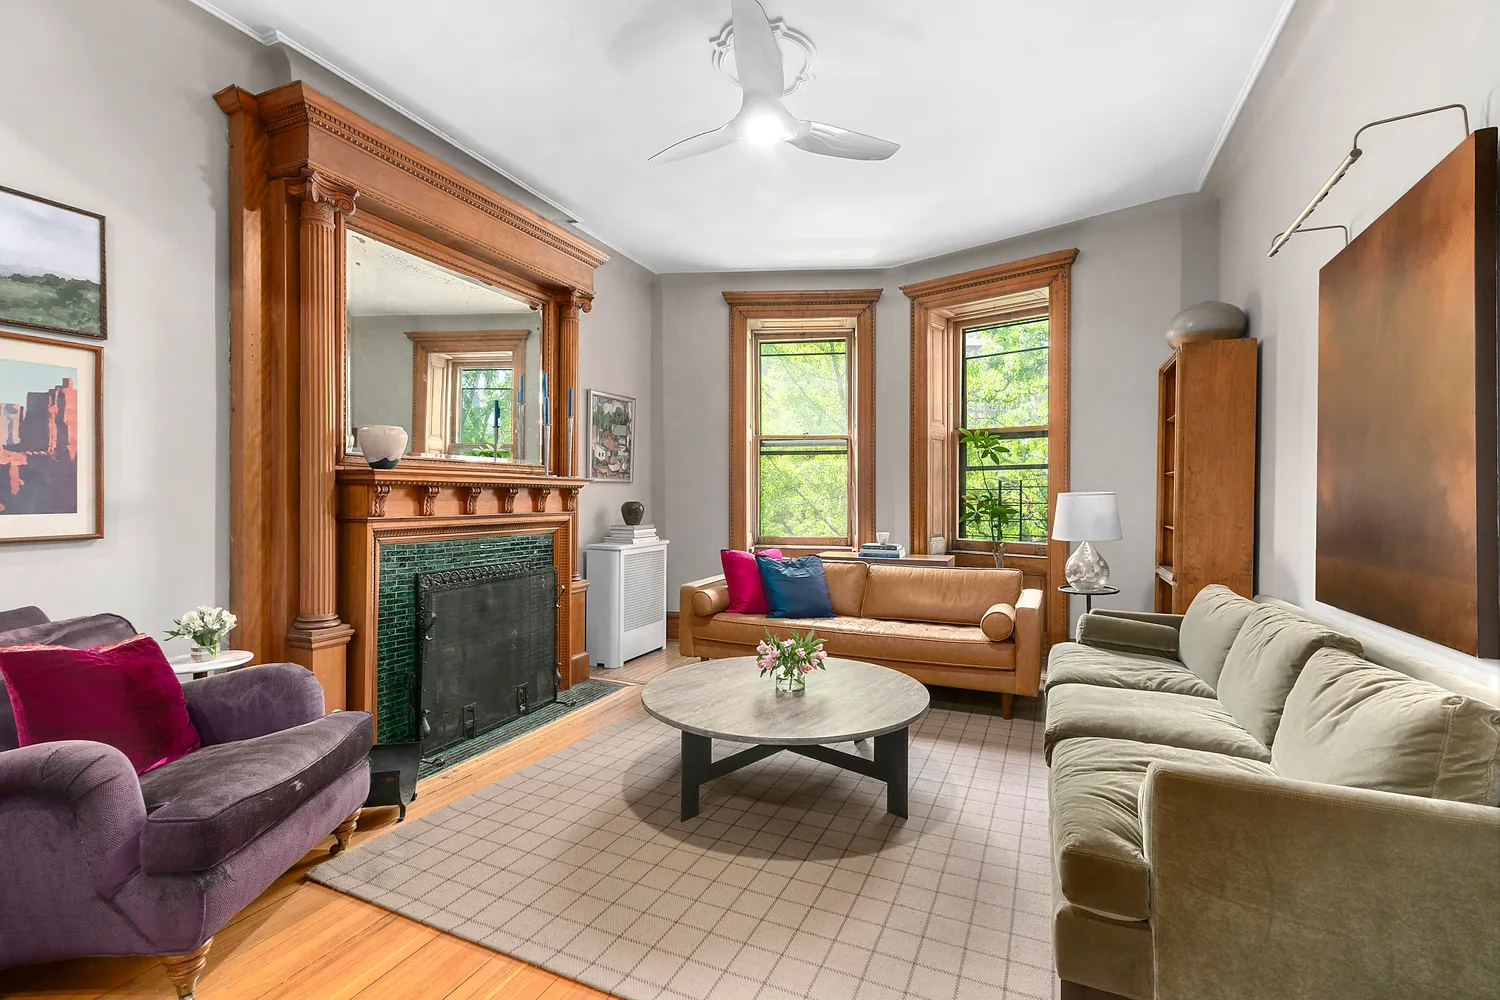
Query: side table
[[184, 666], [1088, 595]]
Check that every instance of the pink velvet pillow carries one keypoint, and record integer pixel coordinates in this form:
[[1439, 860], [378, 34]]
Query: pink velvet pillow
[[125, 695], [747, 596]]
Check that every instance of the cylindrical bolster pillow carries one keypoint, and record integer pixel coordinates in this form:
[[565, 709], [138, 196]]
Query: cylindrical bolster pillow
[[1127, 635], [998, 622], [710, 600]]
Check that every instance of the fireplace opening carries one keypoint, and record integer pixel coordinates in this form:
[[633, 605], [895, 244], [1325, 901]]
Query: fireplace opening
[[486, 650]]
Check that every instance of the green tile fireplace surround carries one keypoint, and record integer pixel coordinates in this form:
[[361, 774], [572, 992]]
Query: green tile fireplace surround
[[398, 564]]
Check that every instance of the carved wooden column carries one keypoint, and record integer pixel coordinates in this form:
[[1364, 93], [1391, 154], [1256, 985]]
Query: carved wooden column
[[317, 638], [567, 380]]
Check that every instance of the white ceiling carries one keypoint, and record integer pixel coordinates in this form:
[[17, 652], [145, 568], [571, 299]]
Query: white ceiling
[[385, 281], [1013, 115]]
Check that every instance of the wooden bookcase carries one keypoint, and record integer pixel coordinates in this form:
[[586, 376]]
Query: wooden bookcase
[[1205, 483]]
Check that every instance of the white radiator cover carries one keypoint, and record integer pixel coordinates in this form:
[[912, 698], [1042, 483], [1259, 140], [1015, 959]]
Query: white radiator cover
[[627, 602]]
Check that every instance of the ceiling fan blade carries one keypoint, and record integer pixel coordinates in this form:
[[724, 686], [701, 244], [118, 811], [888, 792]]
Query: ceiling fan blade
[[830, 140], [757, 57], [703, 142]]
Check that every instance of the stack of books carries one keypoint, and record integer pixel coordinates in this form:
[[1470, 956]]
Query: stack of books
[[633, 533], [882, 550]]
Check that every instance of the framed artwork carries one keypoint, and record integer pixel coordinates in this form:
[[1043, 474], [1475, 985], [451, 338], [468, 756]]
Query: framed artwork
[[611, 442], [51, 484], [51, 266]]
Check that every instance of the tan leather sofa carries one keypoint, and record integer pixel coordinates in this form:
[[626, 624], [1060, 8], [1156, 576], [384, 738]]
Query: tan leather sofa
[[966, 628]]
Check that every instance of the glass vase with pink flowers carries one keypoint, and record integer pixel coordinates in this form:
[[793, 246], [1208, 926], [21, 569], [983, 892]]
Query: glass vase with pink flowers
[[789, 661]]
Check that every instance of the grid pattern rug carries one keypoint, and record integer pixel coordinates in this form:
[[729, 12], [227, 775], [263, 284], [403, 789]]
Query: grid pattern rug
[[793, 883]]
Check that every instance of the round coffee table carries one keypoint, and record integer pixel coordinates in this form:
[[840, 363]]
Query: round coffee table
[[847, 702]]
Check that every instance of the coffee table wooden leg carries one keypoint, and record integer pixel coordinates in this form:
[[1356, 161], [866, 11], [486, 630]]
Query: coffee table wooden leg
[[890, 761], [697, 757]]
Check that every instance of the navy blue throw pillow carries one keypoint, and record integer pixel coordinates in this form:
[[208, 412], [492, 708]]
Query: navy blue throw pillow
[[795, 588]]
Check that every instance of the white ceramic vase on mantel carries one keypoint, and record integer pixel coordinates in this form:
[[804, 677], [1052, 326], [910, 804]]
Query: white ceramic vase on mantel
[[382, 444]]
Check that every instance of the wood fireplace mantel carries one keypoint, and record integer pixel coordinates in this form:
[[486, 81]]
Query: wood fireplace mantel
[[302, 167]]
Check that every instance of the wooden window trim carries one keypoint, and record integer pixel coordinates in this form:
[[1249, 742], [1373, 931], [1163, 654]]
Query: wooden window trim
[[935, 305], [460, 342], [856, 306]]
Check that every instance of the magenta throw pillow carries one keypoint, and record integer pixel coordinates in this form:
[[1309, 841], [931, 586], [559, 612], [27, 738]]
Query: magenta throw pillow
[[747, 595], [124, 694]]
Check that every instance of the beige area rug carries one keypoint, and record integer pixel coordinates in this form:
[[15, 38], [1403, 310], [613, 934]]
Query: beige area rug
[[793, 882]]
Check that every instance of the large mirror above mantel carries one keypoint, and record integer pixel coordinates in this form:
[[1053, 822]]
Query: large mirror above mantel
[[454, 361]]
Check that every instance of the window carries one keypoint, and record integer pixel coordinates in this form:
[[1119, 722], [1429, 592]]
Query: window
[[803, 439], [1003, 391], [802, 450], [485, 414]]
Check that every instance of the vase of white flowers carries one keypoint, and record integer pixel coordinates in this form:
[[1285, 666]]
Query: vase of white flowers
[[789, 661], [206, 627]]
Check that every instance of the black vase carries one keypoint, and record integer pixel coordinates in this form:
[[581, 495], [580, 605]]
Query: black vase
[[632, 511]]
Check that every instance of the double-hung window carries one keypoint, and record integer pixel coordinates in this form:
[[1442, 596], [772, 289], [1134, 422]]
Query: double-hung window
[[802, 419], [485, 410], [803, 439], [1003, 390]]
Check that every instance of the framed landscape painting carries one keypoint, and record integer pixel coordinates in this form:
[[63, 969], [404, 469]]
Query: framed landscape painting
[[51, 266], [611, 443], [51, 488]]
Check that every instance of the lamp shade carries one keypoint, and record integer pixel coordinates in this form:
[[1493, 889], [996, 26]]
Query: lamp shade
[[1086, 517]]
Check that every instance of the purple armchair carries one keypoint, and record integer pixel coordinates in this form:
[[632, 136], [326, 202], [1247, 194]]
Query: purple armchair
[[99, 861]]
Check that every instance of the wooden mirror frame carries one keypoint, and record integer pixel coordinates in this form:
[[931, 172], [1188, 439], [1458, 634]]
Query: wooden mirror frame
[[303, 516]]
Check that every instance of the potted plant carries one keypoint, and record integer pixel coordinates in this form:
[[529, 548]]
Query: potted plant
[[206, 627], [984, 511], [790, 660]]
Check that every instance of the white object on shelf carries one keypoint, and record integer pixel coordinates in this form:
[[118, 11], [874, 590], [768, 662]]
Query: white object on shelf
[[627, 605], [227, 659]]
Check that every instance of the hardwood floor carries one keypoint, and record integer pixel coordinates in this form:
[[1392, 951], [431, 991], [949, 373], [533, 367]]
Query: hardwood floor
[[303, 941]]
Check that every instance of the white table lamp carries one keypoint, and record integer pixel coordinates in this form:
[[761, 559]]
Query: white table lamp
[[1086, 517]]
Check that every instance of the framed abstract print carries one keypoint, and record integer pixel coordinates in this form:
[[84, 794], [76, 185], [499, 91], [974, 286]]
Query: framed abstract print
[[611, 441], [51, 483], [51, 266]]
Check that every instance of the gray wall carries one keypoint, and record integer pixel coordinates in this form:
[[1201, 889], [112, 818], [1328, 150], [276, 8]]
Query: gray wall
[[160, 175], [1337, 65], [109, 107], [1135, 269]]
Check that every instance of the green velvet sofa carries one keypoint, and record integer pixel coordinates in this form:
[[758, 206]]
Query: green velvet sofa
[[1247, 802]]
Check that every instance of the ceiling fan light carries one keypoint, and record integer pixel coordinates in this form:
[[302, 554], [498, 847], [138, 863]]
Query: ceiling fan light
[[764, 130]]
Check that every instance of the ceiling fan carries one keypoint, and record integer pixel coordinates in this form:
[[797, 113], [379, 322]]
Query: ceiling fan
[[763, 119]]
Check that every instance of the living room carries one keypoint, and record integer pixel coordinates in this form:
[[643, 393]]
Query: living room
[[345, 361]]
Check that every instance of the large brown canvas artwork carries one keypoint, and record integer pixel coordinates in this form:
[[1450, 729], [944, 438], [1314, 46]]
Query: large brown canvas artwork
[[49, 436], [1407, 425]]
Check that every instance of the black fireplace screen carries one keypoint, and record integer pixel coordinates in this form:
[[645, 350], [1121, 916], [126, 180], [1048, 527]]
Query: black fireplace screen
[[486, 649]]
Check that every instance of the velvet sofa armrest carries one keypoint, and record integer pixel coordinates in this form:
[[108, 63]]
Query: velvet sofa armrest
[[253, 701], [1263, 886], [699, 599], [72, 796], [1127, 635], [1028, 639]]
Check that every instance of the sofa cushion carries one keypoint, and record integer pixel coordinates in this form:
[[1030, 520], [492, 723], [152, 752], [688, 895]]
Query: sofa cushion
[[1350, 722], [1128, 635], [1175, 720], [998, 622], [795, 588], [123, 694], [204, 807], [1094, 806], [21, 618], [742, 577], [937, 594], [1272, 648], [870, 639], [29, 626], [1208, 630], [1075, 663], [846, 585]]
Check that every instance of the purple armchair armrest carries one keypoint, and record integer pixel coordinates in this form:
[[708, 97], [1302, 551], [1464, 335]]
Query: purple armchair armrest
[[54, 795], [254, 701]]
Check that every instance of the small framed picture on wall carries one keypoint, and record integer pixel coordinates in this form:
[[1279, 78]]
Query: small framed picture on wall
[[51, 483], [51, 266], [611, 442]]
